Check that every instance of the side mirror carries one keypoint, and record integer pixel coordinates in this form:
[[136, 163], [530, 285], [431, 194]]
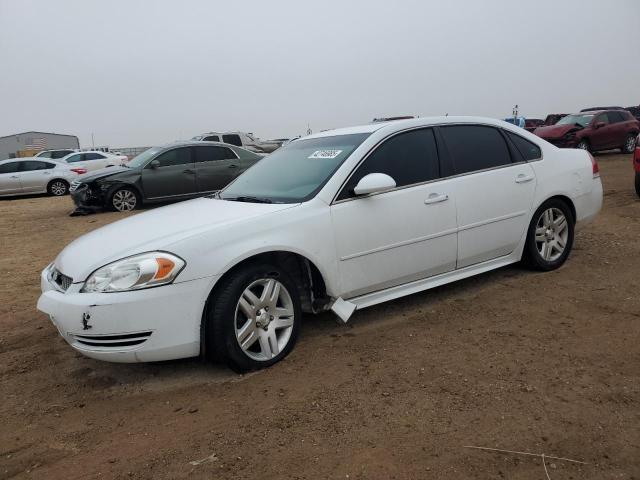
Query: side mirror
[[154, 164], [373, 183], [599, 125]]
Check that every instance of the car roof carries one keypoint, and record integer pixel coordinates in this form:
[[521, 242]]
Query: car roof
[[37, 159]]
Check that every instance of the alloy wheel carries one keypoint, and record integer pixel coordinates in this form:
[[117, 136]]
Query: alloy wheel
[[58, 188], [264, 319], [631, 144], [583, 145], [552, 233], [124, 200]]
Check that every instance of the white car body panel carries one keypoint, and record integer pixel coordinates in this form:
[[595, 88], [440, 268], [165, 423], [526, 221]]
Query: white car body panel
[[368, 250], [34, 181], [96, 164]]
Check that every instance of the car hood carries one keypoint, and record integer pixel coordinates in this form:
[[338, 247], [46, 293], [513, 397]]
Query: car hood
[[102, 173], [555, 131], [156, 229]]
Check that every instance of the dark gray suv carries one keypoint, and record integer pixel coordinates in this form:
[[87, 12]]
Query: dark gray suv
[[173, 172]]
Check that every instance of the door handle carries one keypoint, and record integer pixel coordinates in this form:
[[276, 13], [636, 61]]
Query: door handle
[[436, 198], [188, 170], [14, 176], [522, 178], [233, 166]]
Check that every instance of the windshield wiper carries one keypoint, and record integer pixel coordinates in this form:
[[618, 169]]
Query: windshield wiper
[[248, 199]]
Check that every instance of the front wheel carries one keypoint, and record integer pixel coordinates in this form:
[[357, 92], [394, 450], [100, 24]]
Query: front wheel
[[253, 319], [550, 236], [124, 199], [629, 144]]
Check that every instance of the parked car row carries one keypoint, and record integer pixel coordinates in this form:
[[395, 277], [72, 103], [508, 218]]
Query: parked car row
[[340, 220], [31, 175]]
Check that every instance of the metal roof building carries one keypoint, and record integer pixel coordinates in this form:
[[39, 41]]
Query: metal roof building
[[29, 143]]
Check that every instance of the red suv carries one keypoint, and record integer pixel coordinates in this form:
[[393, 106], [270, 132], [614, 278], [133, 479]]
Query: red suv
[[594, 130], [636, 166]]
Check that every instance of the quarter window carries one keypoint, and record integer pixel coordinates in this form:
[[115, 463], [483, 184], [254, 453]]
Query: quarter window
[[210, 154], [475, 147], [408, 158], [232, 140], [528, 150], [177, 156]]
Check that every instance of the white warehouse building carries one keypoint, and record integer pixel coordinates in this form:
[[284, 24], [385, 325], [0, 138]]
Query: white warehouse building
[[29, 143]]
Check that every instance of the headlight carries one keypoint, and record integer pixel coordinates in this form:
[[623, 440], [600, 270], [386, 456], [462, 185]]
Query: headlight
[[135, 273]]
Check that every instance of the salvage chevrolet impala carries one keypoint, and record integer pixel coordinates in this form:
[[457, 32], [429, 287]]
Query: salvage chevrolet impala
[[340, 220]]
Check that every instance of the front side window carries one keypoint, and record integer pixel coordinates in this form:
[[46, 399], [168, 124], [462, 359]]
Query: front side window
[[211, 154], [232, 140], [296, 172], [93, 156], [143, 158], [603, 118], [177, 156], [58, 154], [11, 167], [475, 147], [615, 117], [528, 150], [409, 158]]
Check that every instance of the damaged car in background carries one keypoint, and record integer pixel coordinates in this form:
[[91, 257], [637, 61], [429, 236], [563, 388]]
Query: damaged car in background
[[339, 220], [161, 174]]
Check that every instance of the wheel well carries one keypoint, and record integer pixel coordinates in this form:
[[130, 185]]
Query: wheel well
[[57, 179], [568, 202]]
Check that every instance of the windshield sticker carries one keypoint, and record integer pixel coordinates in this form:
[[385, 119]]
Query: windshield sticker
[[325, 154]]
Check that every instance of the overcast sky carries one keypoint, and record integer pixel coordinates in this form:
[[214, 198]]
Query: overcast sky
[[138, 73]]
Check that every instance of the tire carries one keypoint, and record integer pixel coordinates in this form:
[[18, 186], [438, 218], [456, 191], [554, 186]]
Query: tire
[[584, 145], [124, 199], [58, 187], [638, 183], [543, 249], [266, 339], [629, 144]]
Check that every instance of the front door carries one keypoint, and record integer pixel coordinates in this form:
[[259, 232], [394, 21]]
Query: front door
[[215, 167], [35, 175], [602, 137], [494, 192], [174, 175], [398, 236], [9, 179]]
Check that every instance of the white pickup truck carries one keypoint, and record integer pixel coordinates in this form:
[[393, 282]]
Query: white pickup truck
[[240, 139]]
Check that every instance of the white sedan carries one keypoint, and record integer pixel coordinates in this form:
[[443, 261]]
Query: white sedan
[[340, 220], [94, 160], [31, 175]]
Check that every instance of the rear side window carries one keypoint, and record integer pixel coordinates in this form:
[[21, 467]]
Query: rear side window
[[46, 155], [31, 165], [616, 117], [210, 154], [232, 140], [528, 150], [11, 167], [93, 156], [475, 147], [177, 156], [76, 158], [56, 155], [212, 138], [408, 158]]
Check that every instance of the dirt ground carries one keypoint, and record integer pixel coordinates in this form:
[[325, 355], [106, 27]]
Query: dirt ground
[[538, 362]]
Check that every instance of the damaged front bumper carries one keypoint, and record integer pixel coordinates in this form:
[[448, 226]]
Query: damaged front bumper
[[153, 324], [87, 198]]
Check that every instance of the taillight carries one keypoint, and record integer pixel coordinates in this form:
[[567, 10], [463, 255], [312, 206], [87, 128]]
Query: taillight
[[595, 167], [79, 171]]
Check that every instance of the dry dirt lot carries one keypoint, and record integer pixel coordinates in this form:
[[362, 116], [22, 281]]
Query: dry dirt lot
[[539, 362]]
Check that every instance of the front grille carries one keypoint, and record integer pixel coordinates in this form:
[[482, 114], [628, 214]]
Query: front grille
[[74, 185], [60, 280], [113, 341]]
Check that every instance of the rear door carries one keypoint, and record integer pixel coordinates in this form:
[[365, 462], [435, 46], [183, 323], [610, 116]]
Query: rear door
[[35, 175], [494, 194], [175, 175], [216, 166], [9, 179], [602, 137]]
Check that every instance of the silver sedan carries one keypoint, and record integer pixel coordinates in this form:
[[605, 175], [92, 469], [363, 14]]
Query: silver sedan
[[30, 175]]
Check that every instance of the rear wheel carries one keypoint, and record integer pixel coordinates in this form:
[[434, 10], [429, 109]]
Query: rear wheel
[[550, 236], [629, 144], [584, 145], [58, 187], [125, 199], [253, 319]]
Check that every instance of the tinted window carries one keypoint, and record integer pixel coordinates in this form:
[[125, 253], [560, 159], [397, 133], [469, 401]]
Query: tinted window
[[475, 147], [615, 117], [75, 158], [46, 155], [604, 118], [210, 154], [408, 158], [60, 154], [31, 165], [528, 150], [232, 140], [177, 156], [212, 138], [9, 167], [93, 156]]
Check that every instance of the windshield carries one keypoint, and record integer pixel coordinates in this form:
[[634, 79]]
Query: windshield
[[142, 159], [582, 120], [296, 172]]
